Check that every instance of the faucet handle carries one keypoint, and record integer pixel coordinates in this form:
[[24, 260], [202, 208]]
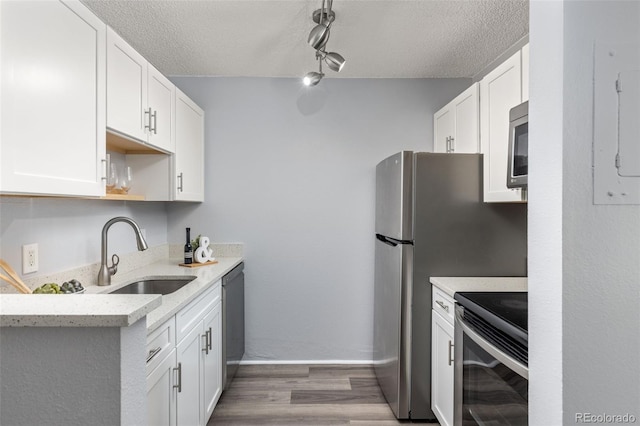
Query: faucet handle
[[114, 267]]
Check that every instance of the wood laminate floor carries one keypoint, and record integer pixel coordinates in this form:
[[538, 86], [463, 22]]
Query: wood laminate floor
[[303, 395]]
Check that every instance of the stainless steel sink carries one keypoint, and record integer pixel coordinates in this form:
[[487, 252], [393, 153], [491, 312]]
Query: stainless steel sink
[[155, 286]]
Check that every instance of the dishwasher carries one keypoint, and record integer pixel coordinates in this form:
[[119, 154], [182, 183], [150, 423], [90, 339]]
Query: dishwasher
[[232, 323]]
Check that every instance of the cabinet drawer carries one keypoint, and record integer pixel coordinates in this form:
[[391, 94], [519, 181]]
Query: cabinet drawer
[[443, 304], [191, 314], [160, 343]]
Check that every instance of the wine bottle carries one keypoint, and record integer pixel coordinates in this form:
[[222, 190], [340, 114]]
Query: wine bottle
[[188, 249]]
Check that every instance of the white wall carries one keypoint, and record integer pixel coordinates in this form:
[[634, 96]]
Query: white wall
[[68, 231], [599, 279], [290, 172]]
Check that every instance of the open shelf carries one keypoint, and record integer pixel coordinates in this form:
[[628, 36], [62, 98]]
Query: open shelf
[[123, 197]]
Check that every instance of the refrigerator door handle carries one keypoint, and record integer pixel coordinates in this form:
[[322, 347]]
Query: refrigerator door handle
[[392, 241]]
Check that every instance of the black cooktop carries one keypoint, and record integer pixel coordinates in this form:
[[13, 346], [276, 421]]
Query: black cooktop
[[505, 311]]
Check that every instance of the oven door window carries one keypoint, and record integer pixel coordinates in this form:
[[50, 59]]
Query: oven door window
[[492, 394]]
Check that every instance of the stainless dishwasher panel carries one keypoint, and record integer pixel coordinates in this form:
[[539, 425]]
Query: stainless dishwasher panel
[[232, 323]]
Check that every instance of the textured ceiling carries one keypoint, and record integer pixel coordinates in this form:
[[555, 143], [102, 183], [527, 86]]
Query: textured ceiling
[[267, 38]]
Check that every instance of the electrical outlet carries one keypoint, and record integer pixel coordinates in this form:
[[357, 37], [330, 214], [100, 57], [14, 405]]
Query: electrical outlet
[[29, 258]]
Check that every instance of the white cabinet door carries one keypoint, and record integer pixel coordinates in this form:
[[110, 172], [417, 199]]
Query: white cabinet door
[[52, 139], [466, 111], [443, 128], [189, 155], [189, 364], [161, 394], [140, 100], [456, 125], [525, 73], [212, 362], [161, 100], [127, 111], [500, 91], [442, 369]]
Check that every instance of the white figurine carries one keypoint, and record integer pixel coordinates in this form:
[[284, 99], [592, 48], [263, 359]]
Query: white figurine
[[203, 253]]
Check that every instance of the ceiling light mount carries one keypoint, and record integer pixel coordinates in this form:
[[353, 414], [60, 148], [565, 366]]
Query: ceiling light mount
[[318, 38], [326, 16]]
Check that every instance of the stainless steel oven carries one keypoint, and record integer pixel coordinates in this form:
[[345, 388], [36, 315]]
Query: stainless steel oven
[[490, 368]]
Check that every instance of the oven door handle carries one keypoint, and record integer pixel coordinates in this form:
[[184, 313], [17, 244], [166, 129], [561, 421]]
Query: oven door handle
[[510, 362]]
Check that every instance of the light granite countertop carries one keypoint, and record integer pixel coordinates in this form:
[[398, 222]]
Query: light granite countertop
[[75, 310], [97, 308], [452, 285]]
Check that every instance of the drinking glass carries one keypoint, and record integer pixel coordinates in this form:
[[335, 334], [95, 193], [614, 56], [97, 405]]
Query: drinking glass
[[112, 178], [125, 184]]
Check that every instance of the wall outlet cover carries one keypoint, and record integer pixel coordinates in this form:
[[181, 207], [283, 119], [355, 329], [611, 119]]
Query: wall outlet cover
[[29, 258]]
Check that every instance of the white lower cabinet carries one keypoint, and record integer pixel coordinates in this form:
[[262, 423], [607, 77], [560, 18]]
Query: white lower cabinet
[[442, 381], [189, 380], [212, 360], [161, 395], [184, 388]]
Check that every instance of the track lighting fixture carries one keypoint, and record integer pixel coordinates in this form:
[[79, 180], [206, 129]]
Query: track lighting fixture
[[318, 38]]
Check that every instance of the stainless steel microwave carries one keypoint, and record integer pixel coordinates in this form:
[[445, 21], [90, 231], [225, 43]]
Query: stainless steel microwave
[[518, 167]]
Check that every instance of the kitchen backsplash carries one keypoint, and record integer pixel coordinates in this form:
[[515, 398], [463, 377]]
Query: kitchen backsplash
[[88, 274]]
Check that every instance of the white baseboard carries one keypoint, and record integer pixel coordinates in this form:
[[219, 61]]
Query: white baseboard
[[367, 362]]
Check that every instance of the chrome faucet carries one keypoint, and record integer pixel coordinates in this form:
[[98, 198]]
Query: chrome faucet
[[106, 271]]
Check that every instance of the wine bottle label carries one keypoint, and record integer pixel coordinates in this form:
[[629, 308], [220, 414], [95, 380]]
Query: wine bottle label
[[188, 255]]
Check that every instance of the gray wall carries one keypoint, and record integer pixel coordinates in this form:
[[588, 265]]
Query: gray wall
[[290, 172], [592, 349]]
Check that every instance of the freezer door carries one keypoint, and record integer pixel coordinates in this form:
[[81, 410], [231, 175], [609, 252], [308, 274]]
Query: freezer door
[[392, 323], [394, 177]]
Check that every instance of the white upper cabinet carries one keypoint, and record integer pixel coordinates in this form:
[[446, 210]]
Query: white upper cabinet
[[500, 91], [53, 96], [456, 124], [525, 73], [189, 154], [140, 100]]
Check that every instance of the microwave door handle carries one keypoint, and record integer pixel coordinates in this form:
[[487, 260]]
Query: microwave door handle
[[510, 362]]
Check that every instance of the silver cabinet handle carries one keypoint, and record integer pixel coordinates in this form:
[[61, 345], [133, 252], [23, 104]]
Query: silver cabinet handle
[[179, 370], [147, 126], [206, 344], [450, 352], [442, 305], [452, 144], [447, 146], [152, 353], [180, 182], [104, 170], [209, 339], [155, 121]]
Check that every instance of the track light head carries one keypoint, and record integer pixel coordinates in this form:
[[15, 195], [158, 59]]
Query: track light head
[[319, 36], [334, 60], [312, 78]]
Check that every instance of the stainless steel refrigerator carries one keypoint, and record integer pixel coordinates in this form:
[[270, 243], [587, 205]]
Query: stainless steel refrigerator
[[431, 221]]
